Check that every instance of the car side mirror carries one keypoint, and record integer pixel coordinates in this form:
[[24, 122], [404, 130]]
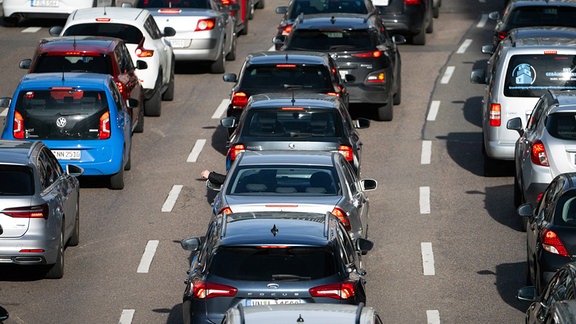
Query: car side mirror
[[212, 186], [191, 244], [399, 39], [169, 31], [368, 184], [132, 103], [525, 210], [488, 49], [494, 15], [3, 314], [515, 124], [126, 5], [74, 170], [141, 65], [228, 122], [361, 122], [279, 40], [5, 102], [478, 76], [282, 10], [229, 77], [527, 294], [55, 31], [364, 245], [25, 64]]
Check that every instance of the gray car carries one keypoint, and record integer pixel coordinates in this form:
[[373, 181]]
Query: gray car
[[311, 181], [39, 206]]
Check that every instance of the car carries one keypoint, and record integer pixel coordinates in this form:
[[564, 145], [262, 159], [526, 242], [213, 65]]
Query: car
[[558, 295], [39, 207], [532, 13], [97, 55], [81, 117], [563, 312], [204, 32], [302, 121], [526, 64], [144, 40], [267, 258], [315, 181], [302, 313], [551, 230], [288, 71], [411, 18], [366, 56], [15, 10]]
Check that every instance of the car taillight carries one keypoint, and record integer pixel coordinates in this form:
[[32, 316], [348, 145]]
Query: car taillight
[[343, 217], [495, 115], [551, 243], [104, 126], [170, 11], [40, 211], [225, 210], [18, 126], [206, 290], [412, 2], [239, 100], [120, 87], [347, 152], [205, 24], [376, 77], [538, 154], [286, 30], [539, 197], [367, 54], [142, 52], [501, 35], [235, 150], [337, 291]]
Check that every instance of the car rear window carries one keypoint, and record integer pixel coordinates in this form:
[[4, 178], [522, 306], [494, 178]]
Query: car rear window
[[533, 74], [273, 264], [62, 113], [283, 76], [128, 33], [331, 40], [548, 15], [202, 4], [16, 181], [292, 123], [562, 125], [565, 212], [73, 63], [327, 6]]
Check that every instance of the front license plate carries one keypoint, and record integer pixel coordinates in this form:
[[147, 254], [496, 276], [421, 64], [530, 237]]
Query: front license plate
[[44, 3], [66, 154], [257, 302]]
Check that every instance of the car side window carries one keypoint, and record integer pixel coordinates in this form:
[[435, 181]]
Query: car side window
[[349, 251], [536, 114], [48, 171], [152, 28], [349, 175], [127, 59]]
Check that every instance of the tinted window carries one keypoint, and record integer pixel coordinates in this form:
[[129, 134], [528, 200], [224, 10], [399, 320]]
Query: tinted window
[[16, 181], [273, 264], [542, 16], [55, 63], [562, 125], [204, 4], [292, 123], [327, 6], [532, 75], [331, 40], [128, 33], [61, 114], [280, 76], [566, 210]]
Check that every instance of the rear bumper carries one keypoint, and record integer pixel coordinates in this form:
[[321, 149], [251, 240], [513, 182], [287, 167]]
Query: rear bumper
[[198, 50], [411, 22], [362, 93]]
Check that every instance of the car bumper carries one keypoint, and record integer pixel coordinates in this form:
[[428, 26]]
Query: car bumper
[[196, 50], [550, 263], [96, 160], [33, 239], [500, 150], [26, 9], [410, 23], [362, 93]]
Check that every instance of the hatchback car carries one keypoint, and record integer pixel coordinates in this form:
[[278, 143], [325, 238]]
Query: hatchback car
[[317, 122], [14, 10], [367, 57], [39, 206], [312, 181], [270, 258], [551, 230], [143, 38], [81, 117], [411, 18], [97, 55]]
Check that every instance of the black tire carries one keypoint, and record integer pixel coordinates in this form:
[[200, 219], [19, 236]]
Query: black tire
[[397, 99], [140, 126], [430, 27], [10, 21], [56, 270], [117, 180], [218, 66], [386, 112], [260, 4], [187, 312], [420, 38], [436, 11], [251, 9], [168, 94], [153, 106], [128, 165], [231, 56], [74, 240], [244, 30]]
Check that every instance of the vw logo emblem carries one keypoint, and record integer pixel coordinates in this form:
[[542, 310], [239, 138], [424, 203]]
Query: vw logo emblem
[[61, 122], [292, 146], [273, 286]]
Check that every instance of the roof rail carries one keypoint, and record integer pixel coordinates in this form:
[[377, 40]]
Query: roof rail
[[359, 313], [327, 224], [223, 225]]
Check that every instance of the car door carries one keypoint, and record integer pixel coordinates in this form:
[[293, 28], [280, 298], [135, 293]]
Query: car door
[[123, 121], [559, 288], [62, 189], [531, 134], [162, 46], [358, 207]]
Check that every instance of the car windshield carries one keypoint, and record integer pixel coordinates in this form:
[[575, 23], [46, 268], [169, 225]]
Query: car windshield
[[273, 264], [331, 40], [327, 6], [284, 180], [284, 76], [530, 16], [16, 181], [203, 4], [292, 123], [128, 33], [61, 63], [61, 114], [562, 125]]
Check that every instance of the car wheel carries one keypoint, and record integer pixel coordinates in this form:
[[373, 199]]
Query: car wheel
[[117, 180], [430, 27], [9, 21], [218, 65], [385, 112], [436, 11], [251, 10], [140, 126], [260, 4], [56, 270], [74, 240], [128, 165], [244, 30], [168, 95], [187, 312], [420, 38], [231, 56], [153, 106], [398, 94]]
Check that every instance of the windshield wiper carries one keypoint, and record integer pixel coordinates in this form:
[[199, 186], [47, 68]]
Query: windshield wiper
[[291, 277]]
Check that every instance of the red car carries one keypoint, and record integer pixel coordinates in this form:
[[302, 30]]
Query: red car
[[94, 54]]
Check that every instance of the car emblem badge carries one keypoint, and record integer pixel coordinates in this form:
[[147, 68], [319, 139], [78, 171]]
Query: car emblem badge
[[61, 122], [292, 146], [273, 285]]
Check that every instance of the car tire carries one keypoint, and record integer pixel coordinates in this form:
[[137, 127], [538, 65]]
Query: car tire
[[168, 95], [56, 270], [153, 106], [397, 99], [9, 21], [386, 112], [187, 312], [517, 193], [260, 4], [231, 56], [128, 165], [218, 66], [244, 30], [140, 126], [251, 10], [420, 38], [74, 239], [436, 11], [117, 180], [430, 26]]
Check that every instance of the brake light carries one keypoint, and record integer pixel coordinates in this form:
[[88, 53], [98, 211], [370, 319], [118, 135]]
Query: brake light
[[120, 86], [18, 126], [206, 290], [411, 2], [368, 54], [337, 291], [550, 52], [347, 152], [239, 100], [39, 211], [343, 217], [292, 109], [225, 210], [287, 29], [289, 66], [539, 197], [235, 150], [377, 78], [501, 35], [205, 24], [142, 52], [495, 115], [226, 2], [170, 11], [103, 19], [104, 126], [32, 251], [335, 94], [538, 154], [551, 243]]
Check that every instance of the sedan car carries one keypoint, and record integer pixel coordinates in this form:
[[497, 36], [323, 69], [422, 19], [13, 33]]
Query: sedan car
[[313, 181], [39, 207], [413, 19], [274, 121], [14, 10]]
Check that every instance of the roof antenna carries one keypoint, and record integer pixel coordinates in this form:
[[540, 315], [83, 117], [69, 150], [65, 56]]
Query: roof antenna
[[286, 57], [105, 11], [274, 230], [293, 100], [332, 20], [63, 75]]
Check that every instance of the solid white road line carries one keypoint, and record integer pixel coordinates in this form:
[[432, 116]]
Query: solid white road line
[[482, 21], [147, 257], [426, 152], [221, 109], [433, 111], [424, 200], [196, 150], [127, 316], [447, 75], [462, 49], [4, 113], [171, 199], [433, 317], [427, 259], [31, 30]]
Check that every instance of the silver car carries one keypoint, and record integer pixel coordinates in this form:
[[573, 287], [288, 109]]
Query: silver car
[[311, 181], [39, 206]]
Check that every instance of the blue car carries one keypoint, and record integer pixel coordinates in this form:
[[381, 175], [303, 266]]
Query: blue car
[[81, 117]]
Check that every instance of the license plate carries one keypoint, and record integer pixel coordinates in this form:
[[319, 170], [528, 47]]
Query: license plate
[[66, 154], [180, 43], [257, 302], [380, 2], [44, 3], [343, 74]]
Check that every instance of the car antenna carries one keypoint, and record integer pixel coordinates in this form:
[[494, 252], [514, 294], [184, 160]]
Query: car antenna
[[332, 20], [293, 100], [274, 230]]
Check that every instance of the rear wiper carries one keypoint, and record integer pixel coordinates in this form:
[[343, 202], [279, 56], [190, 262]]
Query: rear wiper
[[302, 135], [289, 277]]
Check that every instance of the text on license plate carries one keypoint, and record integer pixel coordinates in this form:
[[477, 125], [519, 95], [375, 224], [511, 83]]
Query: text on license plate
[[343, 74], [257, 302], [67, 154], [45, 3], [380, 2]]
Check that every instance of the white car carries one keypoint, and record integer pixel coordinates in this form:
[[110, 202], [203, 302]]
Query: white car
[[143, 38], [13, 10]]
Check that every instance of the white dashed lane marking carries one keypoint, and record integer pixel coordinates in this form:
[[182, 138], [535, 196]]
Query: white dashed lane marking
[[31, 30], [433, 111], [482, 22], [221, 109], [433, 317], [427, 259], [462, 49], [447, 75], [127, 316], [147, 257], [196, 151], [171, 199], [424, 200], [426, 152]]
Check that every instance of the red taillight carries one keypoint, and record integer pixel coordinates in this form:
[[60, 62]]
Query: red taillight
[[411, 2], [368, 54], [205, 24], [495, 115], [337, 291], [225, 210], [142, 52], [18, 126], [104, 126], [377, 78], [347, 152], [32, 251], [235, 150], [539, 197], [501, 35], [343, 217], [239, 100], [551, 243], [538, 154], [103, 19], [40, 211], [287, 29], [205, 290], [120, 87], [170, 11]]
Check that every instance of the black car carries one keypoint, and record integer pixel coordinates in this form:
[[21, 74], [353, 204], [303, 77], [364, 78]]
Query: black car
[[268, 258], [551, 229], [318, 122], [289, 71], [367, 57], [411, 18]]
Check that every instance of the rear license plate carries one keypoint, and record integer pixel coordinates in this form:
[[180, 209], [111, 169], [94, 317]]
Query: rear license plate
[[180, 43], [44, 3], [257, 302], [66, 154], [380, 2]]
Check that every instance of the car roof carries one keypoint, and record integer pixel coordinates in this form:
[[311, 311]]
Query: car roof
[[97, 44], [295, 158], [115, 14], [542, 36], [334, 21], [288, 57], [564, 98], [16, 152], [67, 79], [319, 100], [543, 2]]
